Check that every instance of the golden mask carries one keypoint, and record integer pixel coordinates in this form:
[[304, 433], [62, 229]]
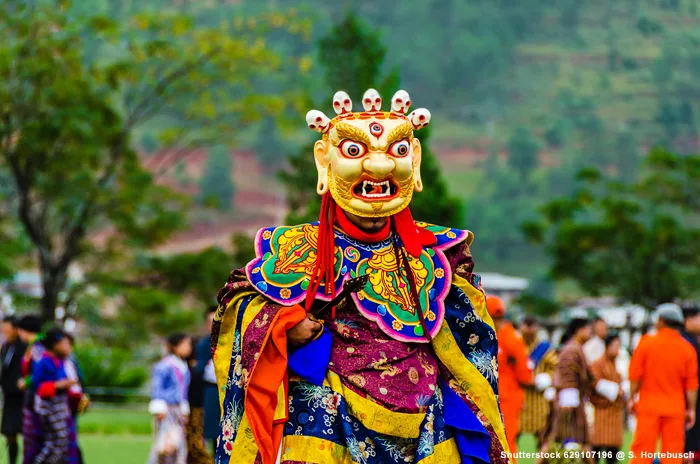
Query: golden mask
[[369, 161]]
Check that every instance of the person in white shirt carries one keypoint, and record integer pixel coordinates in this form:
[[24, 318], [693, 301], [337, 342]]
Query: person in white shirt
[[594, 349]]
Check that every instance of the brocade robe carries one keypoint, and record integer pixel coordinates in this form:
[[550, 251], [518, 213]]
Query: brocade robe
[[377, 399], [609, 423], [572, 372], [537, 408]]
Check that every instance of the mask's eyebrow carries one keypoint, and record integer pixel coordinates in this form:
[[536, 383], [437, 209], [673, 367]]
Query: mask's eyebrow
[[404, 131], [344, 131]]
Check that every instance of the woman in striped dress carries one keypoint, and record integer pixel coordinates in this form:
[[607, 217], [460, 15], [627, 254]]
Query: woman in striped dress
[[609, 402]]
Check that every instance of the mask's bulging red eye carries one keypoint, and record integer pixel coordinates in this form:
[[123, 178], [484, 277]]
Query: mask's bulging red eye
[[399, 148], [352, 149]]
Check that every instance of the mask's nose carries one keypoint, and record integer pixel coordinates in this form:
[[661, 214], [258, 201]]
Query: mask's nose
[[378, 164]]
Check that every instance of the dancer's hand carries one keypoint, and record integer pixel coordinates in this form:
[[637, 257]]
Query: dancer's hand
[[303, 332]]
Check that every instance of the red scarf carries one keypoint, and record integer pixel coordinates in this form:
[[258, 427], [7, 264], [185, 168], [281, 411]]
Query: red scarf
[[358, 234], [414, 238]]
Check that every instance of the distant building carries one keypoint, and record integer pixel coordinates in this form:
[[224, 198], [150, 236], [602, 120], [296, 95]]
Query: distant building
[[506, 287], [630, 321], [27, 283]]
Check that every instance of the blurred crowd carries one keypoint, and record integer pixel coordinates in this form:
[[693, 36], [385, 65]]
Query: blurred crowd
[[185, 400], [42, 392], [585, 391], [581, 393]]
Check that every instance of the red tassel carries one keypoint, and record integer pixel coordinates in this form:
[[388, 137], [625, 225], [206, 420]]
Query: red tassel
[[325, 249]]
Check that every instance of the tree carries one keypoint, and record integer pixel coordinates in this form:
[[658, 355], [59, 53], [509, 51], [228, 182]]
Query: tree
[[523, 152], [66, 124], [269, 146], [352, 56], [555, 135], [639, 242], [686, 117], [435, 204], [569, 14], [627, 154], [666, 116], [216, 186], [493, 213]]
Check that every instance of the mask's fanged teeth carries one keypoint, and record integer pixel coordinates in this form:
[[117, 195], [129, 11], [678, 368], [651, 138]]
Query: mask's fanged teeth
[[371, 189]]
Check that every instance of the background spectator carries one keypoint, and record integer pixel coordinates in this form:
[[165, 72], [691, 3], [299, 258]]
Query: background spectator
[[11, 355]]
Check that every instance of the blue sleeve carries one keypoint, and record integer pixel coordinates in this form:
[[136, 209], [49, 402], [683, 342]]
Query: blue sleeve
[[45, 376], [158, 382], [44, 371], [188, 379]]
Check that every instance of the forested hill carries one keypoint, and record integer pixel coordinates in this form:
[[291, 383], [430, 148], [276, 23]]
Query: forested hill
[[539, 88], [570, 71]]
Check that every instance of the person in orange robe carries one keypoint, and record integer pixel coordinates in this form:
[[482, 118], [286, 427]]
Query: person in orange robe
[[514, 371], [664, 371]]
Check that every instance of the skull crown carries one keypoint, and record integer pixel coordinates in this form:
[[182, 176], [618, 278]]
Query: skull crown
[[372, 104]]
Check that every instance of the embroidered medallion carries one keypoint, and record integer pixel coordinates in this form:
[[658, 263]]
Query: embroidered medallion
[[285, 262]]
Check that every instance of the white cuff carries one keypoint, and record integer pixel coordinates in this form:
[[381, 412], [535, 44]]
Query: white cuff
[[608, 389], [157, 407], [209, 372], [550, 393], [625, 385], [569, 398], [185, 408], [543, 381]]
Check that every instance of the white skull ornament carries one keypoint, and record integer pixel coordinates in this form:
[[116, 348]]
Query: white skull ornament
[[400, 102], [317, 121], [342, 103], [371, 101], [419, 118]]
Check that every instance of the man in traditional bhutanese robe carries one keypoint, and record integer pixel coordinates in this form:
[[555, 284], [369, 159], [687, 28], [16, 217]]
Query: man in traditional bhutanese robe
[[381, 400], [403, 371], [538, 396], [574, 382]]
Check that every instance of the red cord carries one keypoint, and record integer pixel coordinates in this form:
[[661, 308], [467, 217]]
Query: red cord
[[325, 249], [402, 261]]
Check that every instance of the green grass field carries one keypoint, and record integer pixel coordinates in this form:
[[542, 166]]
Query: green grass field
[[115, 436], [115, 449], [123, 436], [116, 422]]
